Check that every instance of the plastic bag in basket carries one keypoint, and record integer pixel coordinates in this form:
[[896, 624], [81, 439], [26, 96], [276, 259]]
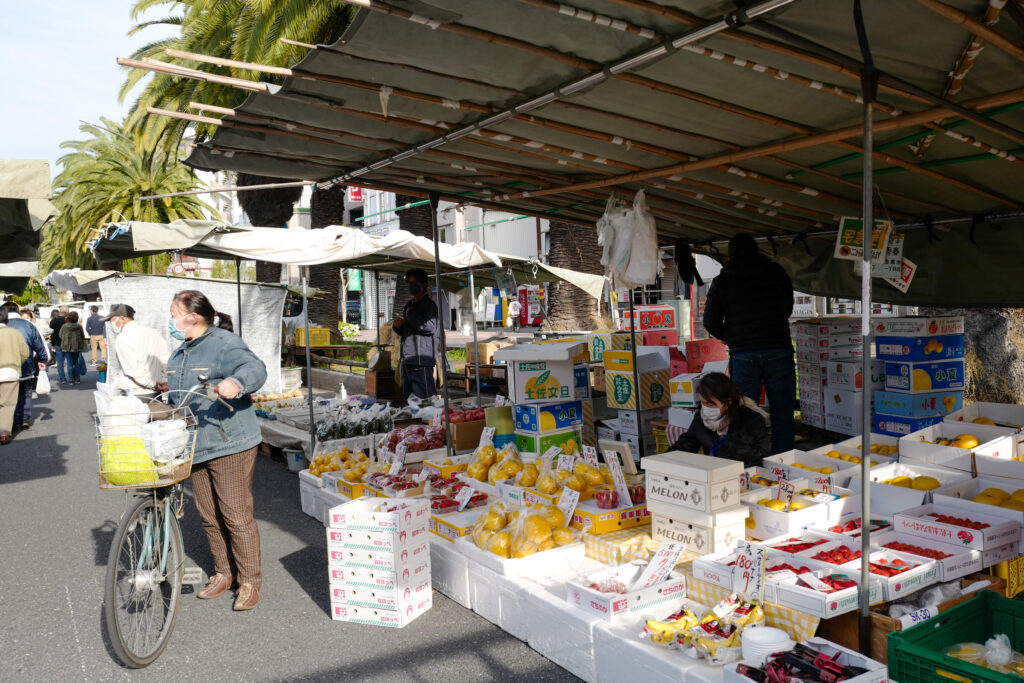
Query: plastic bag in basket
[[549, 480], [120, 415], [507, 467], [995, 654], [165, 440], [124, 461]]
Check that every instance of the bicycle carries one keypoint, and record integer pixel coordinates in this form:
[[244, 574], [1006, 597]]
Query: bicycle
[[145, 566]]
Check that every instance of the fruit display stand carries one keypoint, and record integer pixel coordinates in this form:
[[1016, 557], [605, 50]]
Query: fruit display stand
[[924, 446], [821, 473], [1007, 416]]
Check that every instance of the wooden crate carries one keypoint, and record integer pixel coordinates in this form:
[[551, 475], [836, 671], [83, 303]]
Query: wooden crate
[[381, 383]]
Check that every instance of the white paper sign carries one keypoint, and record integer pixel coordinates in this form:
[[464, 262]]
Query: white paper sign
[[906, 276], [744, 482], [748, 576], [487, 436], [662, 562], [399, 461], [612, 460], [566, 461], [892, 266], [923, 614], [590, 455], [421, 476], [567, 501], [815, 583], [463, 496], [500, 401], [786, 491]]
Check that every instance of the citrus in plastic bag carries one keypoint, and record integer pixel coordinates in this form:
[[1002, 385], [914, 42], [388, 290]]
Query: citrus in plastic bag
[[124, 461]]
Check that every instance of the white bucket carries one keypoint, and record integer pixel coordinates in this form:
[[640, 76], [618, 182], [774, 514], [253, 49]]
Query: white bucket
[[295, 458]]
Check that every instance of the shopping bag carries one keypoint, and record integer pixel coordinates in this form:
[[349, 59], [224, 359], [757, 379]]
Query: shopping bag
[[43, 384]]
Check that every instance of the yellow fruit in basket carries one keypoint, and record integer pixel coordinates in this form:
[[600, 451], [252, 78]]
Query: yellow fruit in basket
[[575, 482], [523, 547], [967, 441], [986, 499], [562, 475], [481, 536], [772, 503], [905, 482], [537, 528], [587, 493], [563, 536], [512, 467], [554, 516], [528, 477], [1002, 495], [500, 544], [546, 545], [607, 474], [547, 484], [486, 454], [477, 470], [983, 421], [494, 520], [925, 483], [1013, 505], [352, 476]]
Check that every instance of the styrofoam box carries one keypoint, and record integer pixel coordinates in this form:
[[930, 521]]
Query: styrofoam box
[[698, 482], [449, 572], [328, 498], [1007, 416], [782, 464], [993, 442], [407, 558], [311, 479], [770, 523], [485, 592], [700, 532], [525, 566], [879, 524], [918, 522], [794, 595], [888, 500], [923, 575], [308, 497], [961, 561], [561, 632], [612, 605], [380, 617], [876, 671], [840, 503]]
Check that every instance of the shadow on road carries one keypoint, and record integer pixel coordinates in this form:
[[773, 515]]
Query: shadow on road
[[102, 537], [31, 457], [309, 569]]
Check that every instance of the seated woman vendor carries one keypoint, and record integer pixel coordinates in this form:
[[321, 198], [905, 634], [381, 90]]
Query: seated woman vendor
[[728, 425]]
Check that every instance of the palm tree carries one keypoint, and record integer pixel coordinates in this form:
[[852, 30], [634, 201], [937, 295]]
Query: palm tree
[[100, 178], [326, 208]]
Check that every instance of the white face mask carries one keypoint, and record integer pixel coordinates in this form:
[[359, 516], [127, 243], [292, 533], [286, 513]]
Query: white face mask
[[712, 417]]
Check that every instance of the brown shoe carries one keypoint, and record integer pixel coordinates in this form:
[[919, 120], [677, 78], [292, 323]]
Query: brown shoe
[[217, 585], [247, 598]]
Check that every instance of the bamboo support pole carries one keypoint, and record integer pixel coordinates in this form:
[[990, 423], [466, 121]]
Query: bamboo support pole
[[163, 67], [974, 26]]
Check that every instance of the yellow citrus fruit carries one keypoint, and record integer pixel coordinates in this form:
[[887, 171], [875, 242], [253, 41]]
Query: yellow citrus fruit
[[986, 499], [795, 505], [537, 528], [750, 523], [905, 482], [523, 547], [925, 483], [772, 503], [593, 477], [1018, 495], [875, 448], [1013, 505], [512, 467], [563, 536], [983, 421], [481, 536], [500, 544], [486, 454], [494, 520], [562, 475], [587, 493], [996, 493], [965, 441], [547, 484], [607, 474], [554, 516], [528, 477], [477, 470], [546, 545], [833, 454], [576, 482]]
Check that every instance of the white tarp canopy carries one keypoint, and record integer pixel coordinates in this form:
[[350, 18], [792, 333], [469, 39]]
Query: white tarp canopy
[[24, 209], [76, 280]]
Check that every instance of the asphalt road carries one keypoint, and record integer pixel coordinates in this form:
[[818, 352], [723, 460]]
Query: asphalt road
[[56, 528]]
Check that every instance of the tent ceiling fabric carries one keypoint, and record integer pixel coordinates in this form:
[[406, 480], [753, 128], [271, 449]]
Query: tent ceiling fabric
[[24, 208], [409, 71]]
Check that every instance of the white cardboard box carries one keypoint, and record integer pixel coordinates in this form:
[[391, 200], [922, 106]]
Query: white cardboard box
[[887, 499], [848, 375], [792, 593], [634, 422], [700, 532], [965, 500], [769, 523], [611, 605], [380, 617], [919, 326], [359, 577], [961, 561], [876, 671], [844, 410], [391, 597], [994, 442], [783, 464], [923, 575], [1006, 416], [918, 522], [698, 482], [555, 362], [407, 558], [376, 542], [380, 514]]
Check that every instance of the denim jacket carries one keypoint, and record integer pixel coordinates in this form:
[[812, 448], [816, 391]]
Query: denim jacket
[[220, 355]]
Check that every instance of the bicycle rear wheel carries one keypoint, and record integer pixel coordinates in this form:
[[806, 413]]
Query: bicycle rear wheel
[[143, 583]]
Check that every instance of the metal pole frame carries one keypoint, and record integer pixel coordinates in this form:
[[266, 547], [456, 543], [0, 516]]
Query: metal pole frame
[[434, 199], [476, 346], [633, 329], [309, 362], [238, 290]]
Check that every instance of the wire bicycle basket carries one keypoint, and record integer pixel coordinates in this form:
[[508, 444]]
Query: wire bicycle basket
[[138, 450]]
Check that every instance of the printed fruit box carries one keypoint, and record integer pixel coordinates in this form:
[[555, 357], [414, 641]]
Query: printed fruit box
[[894, 425], [794, 594], [919, 326], [540, 373], [933, 404], [611, 605], [381, 596], [700, 352], [702, 533], [1002, 415], [917, 349], [690, 480], [970, 503], [446, 468], [850, 375], [407, 558], [822, 474], [919, 378], [379, 516], [569, 440], [591, 519], [793, 544], [381, 617], [768, 522], [375, 541], [831, 354], [849, 526], [825, 327], [952, 561], [923, 573], [924, 445], [600, 341], [550, 417], [620, 381], [651, 318], [957, 525]]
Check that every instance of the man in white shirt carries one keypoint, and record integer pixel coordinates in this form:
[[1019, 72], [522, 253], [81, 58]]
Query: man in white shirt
[[141, 352], [514, 309]]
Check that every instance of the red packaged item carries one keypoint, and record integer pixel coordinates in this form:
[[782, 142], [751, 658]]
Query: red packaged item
[[607, 499], [917, 550], [958, 521], [839, 555]]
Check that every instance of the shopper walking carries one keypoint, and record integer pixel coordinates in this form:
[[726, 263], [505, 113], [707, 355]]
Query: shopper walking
[[57, 319], [226, 441], [748, 307], [13, 353], [418, 328], [72, 342], [514, 311], [36, 360], [97, 331], [44, 333]]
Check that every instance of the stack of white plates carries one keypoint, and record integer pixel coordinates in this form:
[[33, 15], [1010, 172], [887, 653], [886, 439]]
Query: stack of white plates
[[760, 642]]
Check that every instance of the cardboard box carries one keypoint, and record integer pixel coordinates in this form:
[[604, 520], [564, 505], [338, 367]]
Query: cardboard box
[[785, 465], [381, 383], [849, 376], [588, 428], [887, 500], [1006, 416], [795, 595], [633, 422], [813, 396], [375, 541], [993, 442], [569, 440], [386, 594], [920, 349], [486, 352], [919, 326], [380, 617], [820, 356], [681, 417], [651, 318], [910, 581], [348, 489], [699, 532], [842, 340], [406, 558], [591, 519], [455, 525], [769, 523], [683, 389], [610, 340], [661, 338], [639, 446], [961, 561], [620, 547], [700, 351], [935, 404], [844, 411], [607, 429], [919, 522], [458, 464], [919, 378], [697, 482], [654, 380], [824, 327], [611, 605], [545, 418], [373, 516], [895, 425], [541, 373]]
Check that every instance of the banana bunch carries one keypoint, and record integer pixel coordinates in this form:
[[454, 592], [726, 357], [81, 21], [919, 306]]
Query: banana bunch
[[665, 632]]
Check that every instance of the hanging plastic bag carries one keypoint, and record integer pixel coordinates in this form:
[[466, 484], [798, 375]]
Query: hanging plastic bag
[[644, 264], [43, 384], [629, 237]]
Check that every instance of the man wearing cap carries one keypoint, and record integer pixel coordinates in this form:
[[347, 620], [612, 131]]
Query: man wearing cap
[[141, 352]]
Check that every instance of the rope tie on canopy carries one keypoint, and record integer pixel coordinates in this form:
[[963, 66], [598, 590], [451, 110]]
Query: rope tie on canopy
[[771, 243], [801, 237], [929, 225]]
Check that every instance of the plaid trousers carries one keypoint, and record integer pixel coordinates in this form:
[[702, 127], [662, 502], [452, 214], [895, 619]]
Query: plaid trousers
[[223, 491]]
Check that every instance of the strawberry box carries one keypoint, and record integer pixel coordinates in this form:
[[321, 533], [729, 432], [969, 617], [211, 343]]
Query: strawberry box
[[795, 594], [952, 561], [833, 552], [793, 544], [982, 483], [954, 522], [921, 573], [849, 526], [588, 597]]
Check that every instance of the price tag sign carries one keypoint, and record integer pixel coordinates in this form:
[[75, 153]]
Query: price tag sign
[[567, 502], [744, 482], [590, 455], [662, 562], [399, 461], [551, 453], [615, 467], [500, 401], [815, 583], [421, 476], [748, 576], [915, 618], [566, 461], [786, 491], [487, 436], [463, 496]]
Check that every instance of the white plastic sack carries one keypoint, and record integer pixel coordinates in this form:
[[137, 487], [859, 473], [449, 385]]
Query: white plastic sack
[[43, 384], [629, 237], [120, 416], [165, 440]]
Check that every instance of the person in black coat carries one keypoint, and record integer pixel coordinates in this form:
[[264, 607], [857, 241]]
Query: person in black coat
[[728, 426]]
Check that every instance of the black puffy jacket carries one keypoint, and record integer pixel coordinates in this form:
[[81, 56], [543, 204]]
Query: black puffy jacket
[[747, 439], [749, 304]]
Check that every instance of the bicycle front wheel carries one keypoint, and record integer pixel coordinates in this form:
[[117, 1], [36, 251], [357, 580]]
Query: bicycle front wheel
[[143, 583]]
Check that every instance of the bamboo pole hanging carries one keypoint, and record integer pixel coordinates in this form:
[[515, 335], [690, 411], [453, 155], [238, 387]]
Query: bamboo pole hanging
[[974, 26]]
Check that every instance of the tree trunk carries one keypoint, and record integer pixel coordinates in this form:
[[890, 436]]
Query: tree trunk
[[271, 208], [417, 221], [576, 248], [326, 208]]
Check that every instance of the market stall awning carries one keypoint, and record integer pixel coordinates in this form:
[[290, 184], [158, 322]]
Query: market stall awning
[[24, 209], [77, 281]]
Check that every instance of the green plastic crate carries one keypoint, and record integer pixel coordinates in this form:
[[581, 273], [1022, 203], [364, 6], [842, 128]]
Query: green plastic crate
[[915, 655]]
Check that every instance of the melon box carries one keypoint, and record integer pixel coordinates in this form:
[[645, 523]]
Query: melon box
[[699, 532], [698, 482]]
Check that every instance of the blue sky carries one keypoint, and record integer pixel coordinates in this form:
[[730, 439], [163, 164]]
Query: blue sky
[[59, 60]]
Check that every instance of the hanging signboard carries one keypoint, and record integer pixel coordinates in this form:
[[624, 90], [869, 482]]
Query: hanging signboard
[[907, 271], [892, 267], [850, 239], [355, 194]]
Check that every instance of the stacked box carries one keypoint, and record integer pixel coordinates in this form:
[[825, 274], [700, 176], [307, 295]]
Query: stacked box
[[547, 372], [821, 345], [378, 561], [600, 341], [636, 413], [588, 429], [924, 372], [695, 500], [539, 426]]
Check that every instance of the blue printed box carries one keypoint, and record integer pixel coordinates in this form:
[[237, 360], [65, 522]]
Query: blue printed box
[[920, 349], [545, 418], [918, 378], [935, 404], [895, 425]]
